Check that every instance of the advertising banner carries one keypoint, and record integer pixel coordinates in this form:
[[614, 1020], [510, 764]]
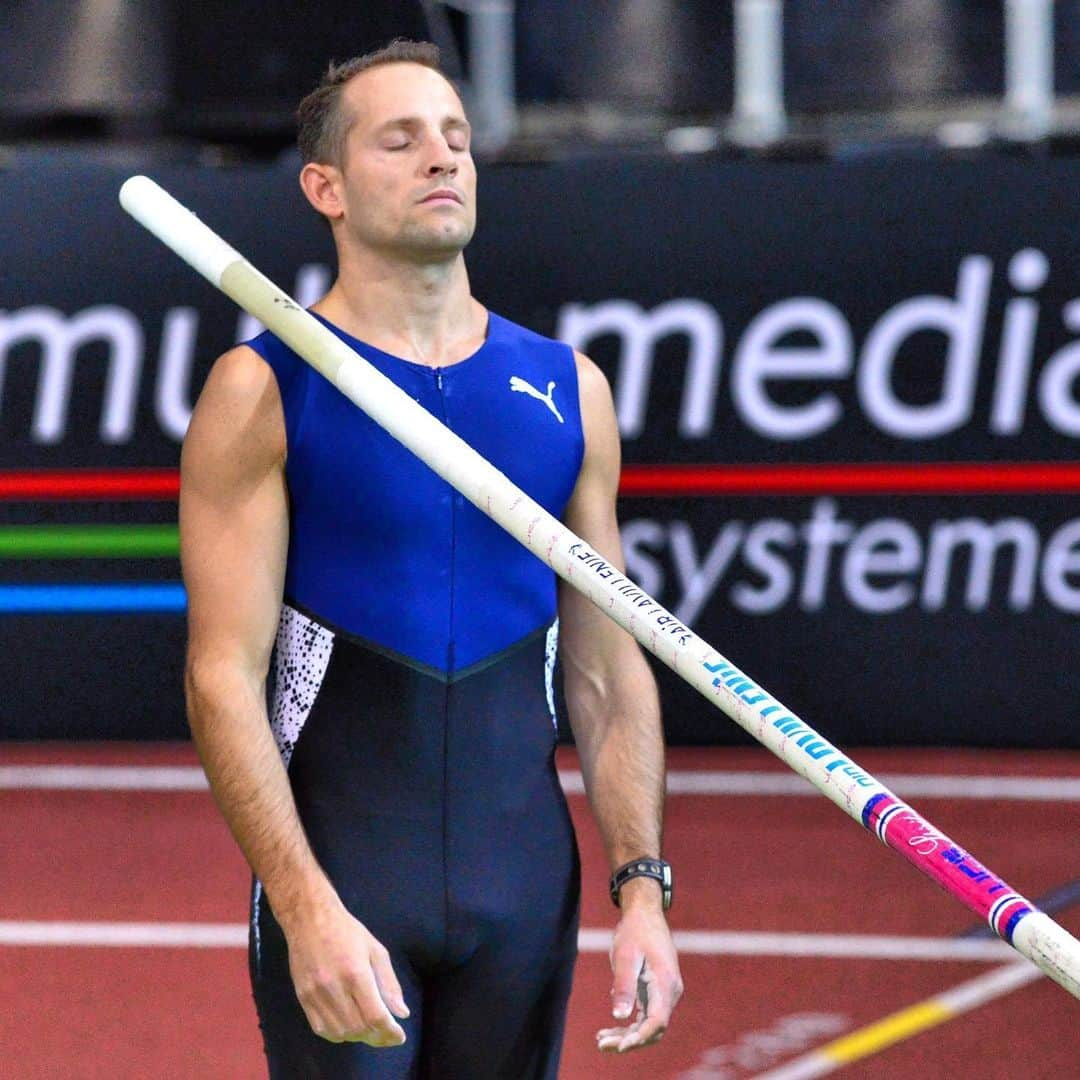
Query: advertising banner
[[849, 396]]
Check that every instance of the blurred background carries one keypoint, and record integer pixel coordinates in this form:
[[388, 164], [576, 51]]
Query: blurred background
[[825, 251], [545, 75]]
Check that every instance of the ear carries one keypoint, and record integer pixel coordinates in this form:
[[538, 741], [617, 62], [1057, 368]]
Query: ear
[[321, 184]]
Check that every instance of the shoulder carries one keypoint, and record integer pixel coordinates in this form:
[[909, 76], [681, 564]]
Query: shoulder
[[239, 400], [282, 360], [598, 422], [521, 336], [590, 378], [594, 392], [239, 375]]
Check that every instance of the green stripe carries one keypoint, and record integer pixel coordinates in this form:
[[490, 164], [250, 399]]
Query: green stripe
[[88, 541]]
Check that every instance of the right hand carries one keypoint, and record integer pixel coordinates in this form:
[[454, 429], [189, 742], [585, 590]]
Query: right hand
[[344, 979]]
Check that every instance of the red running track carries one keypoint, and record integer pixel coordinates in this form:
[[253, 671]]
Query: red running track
[[749, 863]]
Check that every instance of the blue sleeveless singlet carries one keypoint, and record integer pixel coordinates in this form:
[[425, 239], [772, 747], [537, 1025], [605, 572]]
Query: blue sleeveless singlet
[[384, 549]]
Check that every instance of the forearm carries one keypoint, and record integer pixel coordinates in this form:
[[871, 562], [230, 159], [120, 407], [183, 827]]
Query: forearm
[[616, 721], [227, 715], [343, 977]]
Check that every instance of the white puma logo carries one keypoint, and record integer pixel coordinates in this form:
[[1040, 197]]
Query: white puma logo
[[522, 387]]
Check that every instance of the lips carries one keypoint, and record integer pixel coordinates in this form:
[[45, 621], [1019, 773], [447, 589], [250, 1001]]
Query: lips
[[444, 193]]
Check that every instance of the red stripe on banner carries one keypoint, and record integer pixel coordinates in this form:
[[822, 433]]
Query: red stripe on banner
[[105, 484], [947, 478]]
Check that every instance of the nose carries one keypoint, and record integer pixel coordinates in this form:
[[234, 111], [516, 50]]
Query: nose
[[442, 160]]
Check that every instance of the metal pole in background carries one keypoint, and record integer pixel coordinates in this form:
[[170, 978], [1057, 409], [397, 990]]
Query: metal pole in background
[[1028, 108], [758, 113], [492, 97]]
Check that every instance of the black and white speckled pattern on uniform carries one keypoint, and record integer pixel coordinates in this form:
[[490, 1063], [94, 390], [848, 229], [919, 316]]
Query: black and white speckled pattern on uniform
[[303, 650]]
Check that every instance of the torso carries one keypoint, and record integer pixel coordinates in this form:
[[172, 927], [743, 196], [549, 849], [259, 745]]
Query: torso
[[412, 698]]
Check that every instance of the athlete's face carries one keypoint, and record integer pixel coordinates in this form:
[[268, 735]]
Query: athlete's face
[[409, 180]]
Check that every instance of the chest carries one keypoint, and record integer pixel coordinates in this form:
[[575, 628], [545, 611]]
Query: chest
[[519, 411]]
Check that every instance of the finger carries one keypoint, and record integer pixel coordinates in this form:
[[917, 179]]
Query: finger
[[657, 1013], [389, 987], [381, 1031], [608, 1040], [650, 1030], [326, 1018], [376, 1027], [322, 1028], [626, 964], [372, 1023], [380, 1034], [328, 1007], [611, 1033]]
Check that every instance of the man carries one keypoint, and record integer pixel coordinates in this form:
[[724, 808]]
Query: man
[[415, 866]]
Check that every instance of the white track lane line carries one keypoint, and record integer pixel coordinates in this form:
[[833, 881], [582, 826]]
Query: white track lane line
[[124, 934], [680, 782], [103, 777], [831, 946], [688, 942]]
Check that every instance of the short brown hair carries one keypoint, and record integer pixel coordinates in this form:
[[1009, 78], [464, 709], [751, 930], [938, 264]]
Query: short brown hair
[[322, 125]]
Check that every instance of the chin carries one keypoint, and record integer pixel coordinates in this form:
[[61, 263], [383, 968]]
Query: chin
[[440, 244]]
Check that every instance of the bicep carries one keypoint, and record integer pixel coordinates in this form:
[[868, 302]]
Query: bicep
[[234, 514]]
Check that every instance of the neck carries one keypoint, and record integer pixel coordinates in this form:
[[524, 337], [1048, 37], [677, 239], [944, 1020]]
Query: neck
[[422, 312]]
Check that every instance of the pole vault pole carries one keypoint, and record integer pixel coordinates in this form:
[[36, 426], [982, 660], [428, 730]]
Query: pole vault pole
[[1012, 917]]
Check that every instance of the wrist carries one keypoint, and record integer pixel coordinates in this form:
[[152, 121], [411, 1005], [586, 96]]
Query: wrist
[[641, 893], [644, 880], [305, 904]]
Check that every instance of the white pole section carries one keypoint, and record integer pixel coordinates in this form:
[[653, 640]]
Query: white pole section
[[758, 113]]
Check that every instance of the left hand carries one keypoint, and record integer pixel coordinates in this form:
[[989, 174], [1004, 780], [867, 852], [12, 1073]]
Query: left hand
[[645, 968]]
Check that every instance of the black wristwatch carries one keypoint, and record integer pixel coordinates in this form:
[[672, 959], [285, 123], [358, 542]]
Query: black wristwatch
[[656, 869]]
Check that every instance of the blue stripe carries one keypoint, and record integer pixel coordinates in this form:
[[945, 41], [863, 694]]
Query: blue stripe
[[1010, 926], [1000, 906], [868, 809], [124, 599], [884, 819], [1050, 903]]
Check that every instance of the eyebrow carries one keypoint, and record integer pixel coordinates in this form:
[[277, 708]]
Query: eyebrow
[[450, 121]]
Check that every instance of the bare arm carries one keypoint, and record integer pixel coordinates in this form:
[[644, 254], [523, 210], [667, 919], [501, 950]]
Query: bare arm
[[615, 716], [233, 543], [234, 534], [610, 691]]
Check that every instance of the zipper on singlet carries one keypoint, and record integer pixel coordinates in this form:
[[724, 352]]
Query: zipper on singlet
[[446, 689], [453, 535]]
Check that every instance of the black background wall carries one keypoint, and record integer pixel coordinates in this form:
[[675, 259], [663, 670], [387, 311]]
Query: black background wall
[[894, 314]]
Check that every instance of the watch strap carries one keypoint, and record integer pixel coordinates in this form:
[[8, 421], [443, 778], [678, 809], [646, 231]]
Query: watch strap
[[657, 869]]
